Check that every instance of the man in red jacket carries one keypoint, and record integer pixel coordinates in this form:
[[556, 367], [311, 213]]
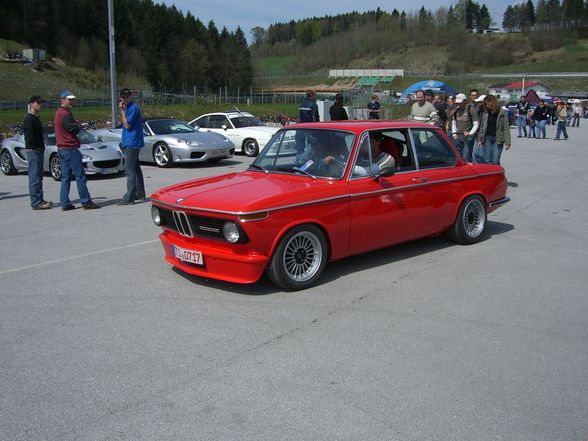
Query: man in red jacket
[[68, 146]]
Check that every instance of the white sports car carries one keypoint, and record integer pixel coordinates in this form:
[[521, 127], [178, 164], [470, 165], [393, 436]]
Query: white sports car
[[98, 158], [249, 134]]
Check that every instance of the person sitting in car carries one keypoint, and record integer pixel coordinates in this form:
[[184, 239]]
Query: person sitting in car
[[326, 158]]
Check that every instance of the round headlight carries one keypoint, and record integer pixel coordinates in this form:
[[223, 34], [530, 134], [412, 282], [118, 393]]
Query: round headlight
[[231, 232], [155, 216]]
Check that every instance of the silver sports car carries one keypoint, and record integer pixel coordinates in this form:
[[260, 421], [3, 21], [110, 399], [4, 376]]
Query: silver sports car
[[171, 141], [99, 158]]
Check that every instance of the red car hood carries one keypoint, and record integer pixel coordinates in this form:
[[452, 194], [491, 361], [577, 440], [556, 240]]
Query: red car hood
[[247, 192]]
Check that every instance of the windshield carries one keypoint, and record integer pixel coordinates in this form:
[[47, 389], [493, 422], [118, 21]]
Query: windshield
[[246, 121], [313, 152], [169, 127], [84, 136]]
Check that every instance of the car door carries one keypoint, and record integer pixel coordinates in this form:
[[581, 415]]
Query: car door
[[387, 209], [444, 173], [146, 153]]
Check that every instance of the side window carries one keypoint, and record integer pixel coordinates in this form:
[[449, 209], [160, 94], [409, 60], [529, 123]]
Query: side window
[[432, 150], [216, 121], [363, 162], [201, 122]]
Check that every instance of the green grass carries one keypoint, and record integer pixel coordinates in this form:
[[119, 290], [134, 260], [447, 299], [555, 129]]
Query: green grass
[[270, 66]]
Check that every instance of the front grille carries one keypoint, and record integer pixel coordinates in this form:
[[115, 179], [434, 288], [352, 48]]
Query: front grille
[[196, 155], [107, 164], [191, 225]]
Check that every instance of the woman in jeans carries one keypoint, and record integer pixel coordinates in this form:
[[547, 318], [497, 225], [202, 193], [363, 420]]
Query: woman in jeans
[[541, 116], [494, 132]]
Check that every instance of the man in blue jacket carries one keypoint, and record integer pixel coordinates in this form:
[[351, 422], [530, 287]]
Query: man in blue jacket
[[132, 142]]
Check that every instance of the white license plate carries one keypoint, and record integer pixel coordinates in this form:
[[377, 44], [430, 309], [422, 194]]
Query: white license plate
[[109, 171], [190, 256]]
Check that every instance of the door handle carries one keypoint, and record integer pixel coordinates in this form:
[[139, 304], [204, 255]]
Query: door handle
[[420, 180]]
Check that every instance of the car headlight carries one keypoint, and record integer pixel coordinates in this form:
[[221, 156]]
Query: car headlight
[[231, 232], [185, 141], [155, 216], [86, 158], [120, 154]]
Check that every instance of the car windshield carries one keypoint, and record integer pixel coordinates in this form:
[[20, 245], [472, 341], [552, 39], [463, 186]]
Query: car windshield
[[169, 127], [246, 121], [84, 136], [312, 152]]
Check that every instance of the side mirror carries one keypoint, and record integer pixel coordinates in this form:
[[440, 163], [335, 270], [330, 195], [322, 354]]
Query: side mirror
[[387, 172], [99, 138], [224, 127]]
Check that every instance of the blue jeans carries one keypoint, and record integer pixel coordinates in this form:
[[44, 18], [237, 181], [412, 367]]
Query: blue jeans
[[561, 128], [522, 125], [542, 132], [71, 165], [35, 158], [464, 146], [492, 150], [480, 153], [135, 184]]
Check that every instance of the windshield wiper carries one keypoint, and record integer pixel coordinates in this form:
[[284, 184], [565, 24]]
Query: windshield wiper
[[258, 167], [305, 172]]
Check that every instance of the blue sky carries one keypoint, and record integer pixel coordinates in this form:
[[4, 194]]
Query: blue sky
[[251, 13]]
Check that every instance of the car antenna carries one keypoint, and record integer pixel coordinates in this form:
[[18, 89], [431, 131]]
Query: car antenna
[[237, 110]]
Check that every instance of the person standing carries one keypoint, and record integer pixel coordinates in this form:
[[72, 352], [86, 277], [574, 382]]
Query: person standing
[[577, 108], [494, 132], [423, 110], [374, 108], [132, 142], [541, 116], [522, 109], [68, 146], [464, 125], [308, 110], [35, 145], [562, 116], [337, 112]]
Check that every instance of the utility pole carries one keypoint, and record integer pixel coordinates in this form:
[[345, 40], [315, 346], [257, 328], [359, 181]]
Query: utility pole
[[113, 100]]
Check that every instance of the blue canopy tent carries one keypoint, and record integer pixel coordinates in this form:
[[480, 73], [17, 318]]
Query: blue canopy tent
[[434, 85]]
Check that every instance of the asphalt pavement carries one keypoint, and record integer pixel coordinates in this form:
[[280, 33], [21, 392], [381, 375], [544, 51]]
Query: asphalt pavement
[[101, 339]]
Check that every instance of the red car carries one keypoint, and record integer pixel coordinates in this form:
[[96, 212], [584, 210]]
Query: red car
[[320, 192]]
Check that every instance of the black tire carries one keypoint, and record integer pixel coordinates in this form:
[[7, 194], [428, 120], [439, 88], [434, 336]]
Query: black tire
[[300, 258], [250, 147], [162, 155], [470, 223], [7, 164], [55, 166]]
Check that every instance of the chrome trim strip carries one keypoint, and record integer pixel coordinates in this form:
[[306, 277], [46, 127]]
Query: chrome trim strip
[[500, 202], [321, 201]]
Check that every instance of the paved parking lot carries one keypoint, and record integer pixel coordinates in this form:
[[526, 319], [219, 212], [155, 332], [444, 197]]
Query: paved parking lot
[[100, 339]]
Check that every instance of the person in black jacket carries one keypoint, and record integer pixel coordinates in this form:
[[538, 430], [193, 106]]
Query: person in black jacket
[[35, 145], [337, 112], [541, 115]]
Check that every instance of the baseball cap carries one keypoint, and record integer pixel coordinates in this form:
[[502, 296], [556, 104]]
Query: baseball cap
[[125, 92], [460, 98], [480, 98], [36, 99], [68, 94]]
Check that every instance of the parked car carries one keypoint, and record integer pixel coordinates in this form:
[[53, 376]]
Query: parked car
[[315, 194], [98, 158], [248, 133], [171, 141]]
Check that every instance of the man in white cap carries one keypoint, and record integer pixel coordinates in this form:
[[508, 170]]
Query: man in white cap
[[68, 146], [464, 123]]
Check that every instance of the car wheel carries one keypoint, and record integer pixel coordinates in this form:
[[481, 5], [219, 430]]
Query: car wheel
[[55, 166], [470, 221], [299, 259], [162, 155], [250, 147], [7, 164]]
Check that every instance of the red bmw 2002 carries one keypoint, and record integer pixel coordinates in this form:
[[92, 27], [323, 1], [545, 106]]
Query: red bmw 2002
[[320, 192]]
